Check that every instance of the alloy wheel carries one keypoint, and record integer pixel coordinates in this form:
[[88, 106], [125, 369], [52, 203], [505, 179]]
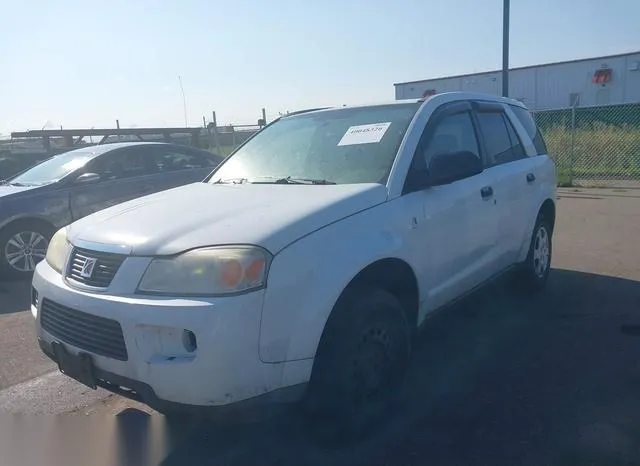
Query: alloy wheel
[[541, 252], [24, 250]]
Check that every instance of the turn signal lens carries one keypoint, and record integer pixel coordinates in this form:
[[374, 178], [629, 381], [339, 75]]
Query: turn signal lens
[[255, 271], [231, 273]]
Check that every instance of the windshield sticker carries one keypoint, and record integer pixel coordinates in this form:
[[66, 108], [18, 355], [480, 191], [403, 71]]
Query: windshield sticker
[[364, 134]]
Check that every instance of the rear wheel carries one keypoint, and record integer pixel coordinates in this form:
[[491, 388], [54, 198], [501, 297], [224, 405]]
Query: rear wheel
[[535, 269], [360, 365], [22, 246]]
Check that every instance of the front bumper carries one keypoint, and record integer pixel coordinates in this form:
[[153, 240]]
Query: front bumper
[[258, 407], [224, 369]]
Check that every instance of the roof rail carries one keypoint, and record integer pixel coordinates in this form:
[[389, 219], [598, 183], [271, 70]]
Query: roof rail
[[298, 112]]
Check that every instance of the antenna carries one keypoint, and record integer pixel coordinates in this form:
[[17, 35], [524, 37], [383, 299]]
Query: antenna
[[184, 102]]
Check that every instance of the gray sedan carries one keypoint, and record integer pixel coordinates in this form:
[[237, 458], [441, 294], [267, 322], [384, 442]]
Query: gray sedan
[[69, 186]]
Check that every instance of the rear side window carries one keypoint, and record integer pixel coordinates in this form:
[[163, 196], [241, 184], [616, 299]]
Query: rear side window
[[175, 159], [516, 143], [501, 142], [532, 129]]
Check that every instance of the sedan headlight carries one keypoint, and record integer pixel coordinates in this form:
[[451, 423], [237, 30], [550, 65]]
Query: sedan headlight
[[207, 272], [57, 250]]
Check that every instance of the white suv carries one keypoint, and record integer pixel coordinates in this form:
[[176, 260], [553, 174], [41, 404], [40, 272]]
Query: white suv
[[300, 268]]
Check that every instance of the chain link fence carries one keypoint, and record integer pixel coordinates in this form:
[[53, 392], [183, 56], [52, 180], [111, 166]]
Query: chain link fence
[[594, 146]]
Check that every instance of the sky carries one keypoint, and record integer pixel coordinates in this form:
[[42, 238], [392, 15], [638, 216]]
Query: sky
[[83, 64]]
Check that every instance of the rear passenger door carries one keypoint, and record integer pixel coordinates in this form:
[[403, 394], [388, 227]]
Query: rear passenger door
[[540, 176], [508, 166]]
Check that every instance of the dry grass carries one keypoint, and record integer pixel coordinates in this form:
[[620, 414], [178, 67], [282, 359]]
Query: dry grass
[[598, 150]]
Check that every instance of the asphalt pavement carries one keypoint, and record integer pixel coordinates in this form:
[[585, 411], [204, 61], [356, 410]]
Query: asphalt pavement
[[20, 359], [499, 379]]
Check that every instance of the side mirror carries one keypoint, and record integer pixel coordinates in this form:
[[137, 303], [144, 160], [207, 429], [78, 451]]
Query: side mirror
[[262, 122], [453, 166], [88, 178]]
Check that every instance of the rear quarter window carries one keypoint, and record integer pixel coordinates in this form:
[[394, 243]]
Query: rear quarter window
[[530, 126]]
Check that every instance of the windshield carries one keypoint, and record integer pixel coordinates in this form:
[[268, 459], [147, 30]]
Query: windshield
[[346, 145], [54, 168]]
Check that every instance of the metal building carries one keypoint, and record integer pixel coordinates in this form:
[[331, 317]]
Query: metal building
[[610, 80]]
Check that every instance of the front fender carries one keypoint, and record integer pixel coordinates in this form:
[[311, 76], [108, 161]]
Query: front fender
[[307, 278], [50, 206]]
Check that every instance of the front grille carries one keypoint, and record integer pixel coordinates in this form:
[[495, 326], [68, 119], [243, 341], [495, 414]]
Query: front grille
[[105, 268], [95, 334]]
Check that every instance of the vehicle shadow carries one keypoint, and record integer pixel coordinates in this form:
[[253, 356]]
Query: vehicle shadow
[[498, 379], [14, 296]]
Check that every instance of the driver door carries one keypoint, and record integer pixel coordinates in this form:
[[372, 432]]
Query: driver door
[[122, 173]]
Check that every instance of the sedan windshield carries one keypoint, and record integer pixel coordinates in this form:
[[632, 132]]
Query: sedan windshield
[[54, 168], [345, 145]]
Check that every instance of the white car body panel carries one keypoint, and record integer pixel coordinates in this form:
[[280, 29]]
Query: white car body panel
[[541, 191], [320, 237], [271, 216], [430, 241], [150, 326]]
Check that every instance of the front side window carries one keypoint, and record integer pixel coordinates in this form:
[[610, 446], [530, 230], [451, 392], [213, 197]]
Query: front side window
[[122, 164], [452, 134], [346, 145]]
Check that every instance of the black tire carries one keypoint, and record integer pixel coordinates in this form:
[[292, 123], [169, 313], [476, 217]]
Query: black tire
[[24, 228], [359, 367], [533, 274]]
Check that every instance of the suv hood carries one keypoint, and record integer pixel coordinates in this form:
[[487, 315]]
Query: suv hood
[[202, 214]]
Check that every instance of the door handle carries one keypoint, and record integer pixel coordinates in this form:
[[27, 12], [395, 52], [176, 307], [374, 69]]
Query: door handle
[[486, 192], [531, 177]]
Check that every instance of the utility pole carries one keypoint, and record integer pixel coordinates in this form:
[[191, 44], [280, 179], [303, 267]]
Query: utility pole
[[505, 48]]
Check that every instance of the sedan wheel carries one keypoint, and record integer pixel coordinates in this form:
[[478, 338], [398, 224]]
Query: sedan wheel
[[22, 245], [24, 250]]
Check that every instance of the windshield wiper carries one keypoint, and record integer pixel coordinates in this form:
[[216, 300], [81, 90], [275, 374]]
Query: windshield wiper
[[312, 180], [231, 180], [292, 180]]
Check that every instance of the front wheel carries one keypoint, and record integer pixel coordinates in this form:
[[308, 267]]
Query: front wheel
[[360, 364], [22, 246], [535, 269]]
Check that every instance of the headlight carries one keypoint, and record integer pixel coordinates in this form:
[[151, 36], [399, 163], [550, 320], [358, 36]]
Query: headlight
[[207, 272], [57, 250]]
